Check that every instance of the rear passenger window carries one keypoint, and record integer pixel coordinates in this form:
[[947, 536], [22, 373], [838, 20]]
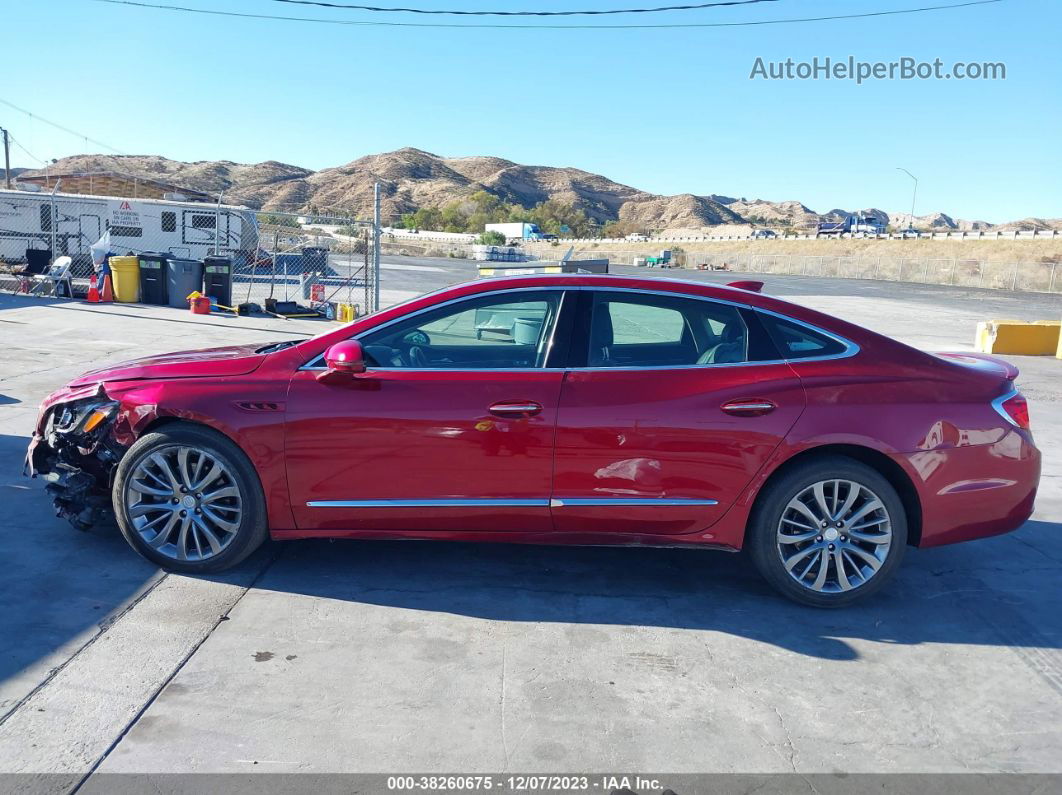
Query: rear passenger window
[[796, 341], [632, 330]]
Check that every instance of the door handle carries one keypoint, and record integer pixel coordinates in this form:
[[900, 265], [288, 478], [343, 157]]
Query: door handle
[[749, 407], [516, 408]]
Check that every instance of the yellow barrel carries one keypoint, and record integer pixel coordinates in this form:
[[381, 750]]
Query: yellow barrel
[[125, 276]]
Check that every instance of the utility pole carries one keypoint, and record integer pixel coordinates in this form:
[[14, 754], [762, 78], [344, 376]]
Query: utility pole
[[914, 194], [365, 271], [376, 248], [217, 223], [7, 159], [55, 220]]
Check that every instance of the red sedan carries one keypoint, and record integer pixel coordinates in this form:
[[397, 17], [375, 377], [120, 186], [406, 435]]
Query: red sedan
[[563, 410]]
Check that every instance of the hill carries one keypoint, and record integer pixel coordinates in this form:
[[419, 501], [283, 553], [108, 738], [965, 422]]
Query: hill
[[412, 179]]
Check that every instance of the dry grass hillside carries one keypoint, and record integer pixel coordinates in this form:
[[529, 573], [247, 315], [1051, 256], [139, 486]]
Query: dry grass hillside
[[412, 179]]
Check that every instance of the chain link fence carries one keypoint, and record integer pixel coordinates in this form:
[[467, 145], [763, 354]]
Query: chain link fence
[[310, 261], [327, 259], [321, 259]]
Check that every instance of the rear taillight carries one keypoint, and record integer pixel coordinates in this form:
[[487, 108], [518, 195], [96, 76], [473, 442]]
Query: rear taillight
[[1014, 408]]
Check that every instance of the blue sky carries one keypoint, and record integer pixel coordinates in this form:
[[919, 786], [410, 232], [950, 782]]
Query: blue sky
[[669, 111]]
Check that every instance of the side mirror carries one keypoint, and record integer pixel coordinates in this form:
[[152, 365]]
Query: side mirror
[[344, 360]]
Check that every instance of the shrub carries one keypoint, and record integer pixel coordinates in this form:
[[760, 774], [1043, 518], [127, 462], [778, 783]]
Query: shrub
[[492, 237]]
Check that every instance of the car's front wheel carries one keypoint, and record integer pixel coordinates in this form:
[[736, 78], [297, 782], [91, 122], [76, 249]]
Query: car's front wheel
[[829, 532], [188, 499]]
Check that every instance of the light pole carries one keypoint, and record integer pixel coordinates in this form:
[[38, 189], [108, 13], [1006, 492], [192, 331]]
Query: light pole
[[914, 194]]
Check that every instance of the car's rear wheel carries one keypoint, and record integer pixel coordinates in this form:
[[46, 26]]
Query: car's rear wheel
[[189, 499], [828, 533]]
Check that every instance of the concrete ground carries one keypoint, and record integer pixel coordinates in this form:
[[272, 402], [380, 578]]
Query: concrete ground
[[388, 657]]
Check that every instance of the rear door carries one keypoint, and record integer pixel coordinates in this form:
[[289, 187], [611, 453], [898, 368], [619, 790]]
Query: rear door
[[674, 405]]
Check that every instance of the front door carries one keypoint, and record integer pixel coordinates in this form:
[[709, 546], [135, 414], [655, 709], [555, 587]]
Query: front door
[[450, 429], [671, 416]]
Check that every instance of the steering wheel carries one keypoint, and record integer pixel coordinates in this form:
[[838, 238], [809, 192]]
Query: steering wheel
[[417, 357], [417, 337]]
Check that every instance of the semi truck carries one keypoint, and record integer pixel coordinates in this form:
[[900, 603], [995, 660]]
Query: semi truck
[[852, 224], [516, 231]]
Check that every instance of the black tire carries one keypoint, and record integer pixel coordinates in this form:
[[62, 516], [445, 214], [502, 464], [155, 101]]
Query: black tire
[[252, 528], [762, 535]]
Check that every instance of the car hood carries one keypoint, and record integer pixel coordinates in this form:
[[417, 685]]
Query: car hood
[[227, 361]]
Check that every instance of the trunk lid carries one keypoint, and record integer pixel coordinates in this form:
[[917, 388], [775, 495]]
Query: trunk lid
[[991, 366]]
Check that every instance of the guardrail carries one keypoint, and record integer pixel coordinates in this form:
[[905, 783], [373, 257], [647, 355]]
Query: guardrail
[[1030, 234], [458, 237]]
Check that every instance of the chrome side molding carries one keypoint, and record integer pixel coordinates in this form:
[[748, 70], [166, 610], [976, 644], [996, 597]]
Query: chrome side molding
[[626, 502], [513, 503]]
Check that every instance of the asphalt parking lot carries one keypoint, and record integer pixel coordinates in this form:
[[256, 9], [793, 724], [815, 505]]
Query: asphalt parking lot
[[391, 657]]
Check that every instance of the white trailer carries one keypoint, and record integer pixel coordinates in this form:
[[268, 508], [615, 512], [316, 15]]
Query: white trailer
[[516, 231], [69, 223]]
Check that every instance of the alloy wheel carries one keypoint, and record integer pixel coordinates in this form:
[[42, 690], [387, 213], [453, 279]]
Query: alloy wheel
[[184, 502], [834, 536]]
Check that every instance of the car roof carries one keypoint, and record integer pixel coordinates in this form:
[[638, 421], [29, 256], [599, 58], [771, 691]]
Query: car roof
[[612, 281]]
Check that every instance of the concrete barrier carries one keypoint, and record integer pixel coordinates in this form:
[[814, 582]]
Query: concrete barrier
[[1039, 338]]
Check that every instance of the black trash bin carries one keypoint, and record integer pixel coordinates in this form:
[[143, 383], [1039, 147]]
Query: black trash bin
[[315, 260], [217, 279], [38, 259], [154, 277], [185, 276]]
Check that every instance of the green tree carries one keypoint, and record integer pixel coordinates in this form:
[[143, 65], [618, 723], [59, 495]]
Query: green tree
[[471, 214], [622, 228]]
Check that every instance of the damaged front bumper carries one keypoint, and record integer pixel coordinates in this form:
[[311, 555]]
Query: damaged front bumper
[[74, 449]]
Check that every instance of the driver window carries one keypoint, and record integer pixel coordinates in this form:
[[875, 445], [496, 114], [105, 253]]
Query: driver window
[[479, 334]]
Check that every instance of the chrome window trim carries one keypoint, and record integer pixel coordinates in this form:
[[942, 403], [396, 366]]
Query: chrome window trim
[[997, 404], [553, 288], [851, 348]]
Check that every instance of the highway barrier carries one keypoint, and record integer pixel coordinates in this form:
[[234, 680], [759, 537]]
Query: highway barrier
[[1037, 338]]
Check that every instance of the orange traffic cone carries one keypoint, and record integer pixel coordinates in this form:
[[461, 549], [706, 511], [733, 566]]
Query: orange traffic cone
[[108, 292], [93, 296]]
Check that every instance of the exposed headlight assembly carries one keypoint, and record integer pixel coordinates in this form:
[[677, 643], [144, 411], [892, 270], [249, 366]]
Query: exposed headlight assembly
[[85, 417]]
